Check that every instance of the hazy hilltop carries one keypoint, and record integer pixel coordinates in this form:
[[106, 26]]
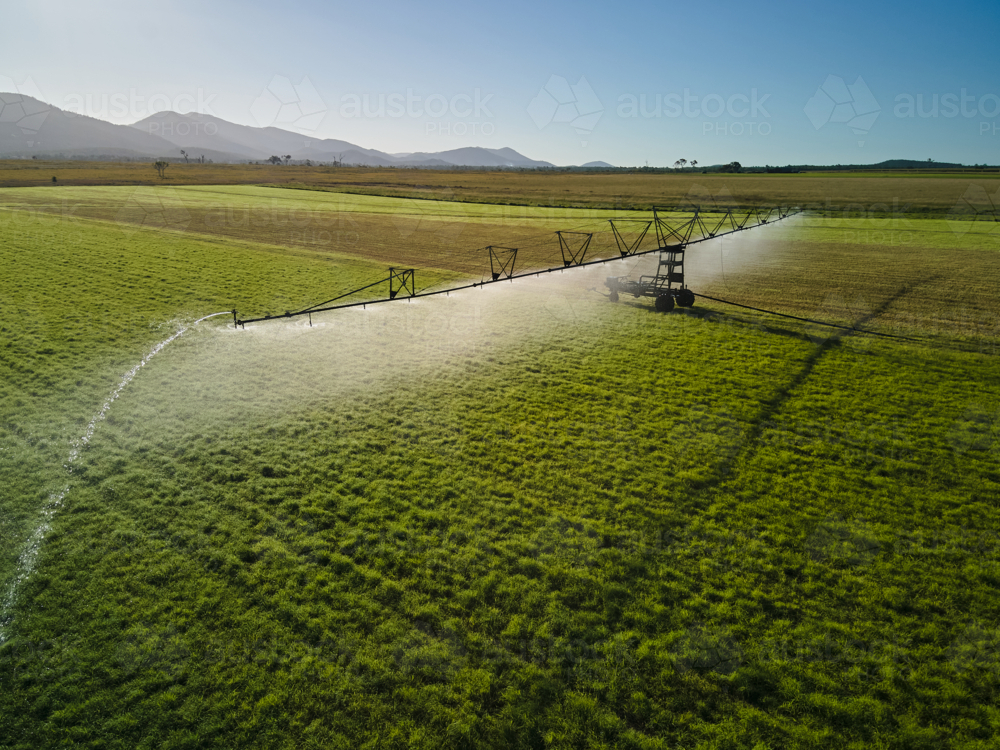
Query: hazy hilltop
[[198, 131], [32, 128], [195, 131], [29, 127], [478, 157]]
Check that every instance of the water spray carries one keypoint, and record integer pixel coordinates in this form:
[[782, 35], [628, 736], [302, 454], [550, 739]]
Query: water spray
[[28, 559]]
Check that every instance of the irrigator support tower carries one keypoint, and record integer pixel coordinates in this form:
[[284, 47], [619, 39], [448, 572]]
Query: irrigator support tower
[[674, 231]]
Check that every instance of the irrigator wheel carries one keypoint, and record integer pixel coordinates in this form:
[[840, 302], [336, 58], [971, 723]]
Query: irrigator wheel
[[613, 296], [664, 303], [685, 298]]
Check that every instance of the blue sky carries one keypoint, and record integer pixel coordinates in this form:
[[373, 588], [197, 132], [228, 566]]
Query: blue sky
[[627, 83]]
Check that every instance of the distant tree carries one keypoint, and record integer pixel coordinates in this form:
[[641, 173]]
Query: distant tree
[[682, 162], [694, 163], [161, 167], [54, 179], [184, 154], [275, 160], [287, 158], [677, 164]]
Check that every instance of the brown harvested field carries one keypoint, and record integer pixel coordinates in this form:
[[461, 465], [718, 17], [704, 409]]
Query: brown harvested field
[[872, 193], [421, 234]]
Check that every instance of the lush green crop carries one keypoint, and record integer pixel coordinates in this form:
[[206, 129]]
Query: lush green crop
[[512, 517]]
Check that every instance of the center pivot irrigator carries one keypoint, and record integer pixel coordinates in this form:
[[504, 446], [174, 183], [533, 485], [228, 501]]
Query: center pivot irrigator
[[675, 230]]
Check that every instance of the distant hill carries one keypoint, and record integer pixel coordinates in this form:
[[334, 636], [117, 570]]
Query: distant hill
[[598, 165], [891, 164], [476, 157], [195, 132], [29, 127], [912, 164]]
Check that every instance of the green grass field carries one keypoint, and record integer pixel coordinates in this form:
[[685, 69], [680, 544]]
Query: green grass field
[[511, 517]]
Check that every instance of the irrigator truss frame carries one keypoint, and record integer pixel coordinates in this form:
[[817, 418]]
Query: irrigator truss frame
[[674, 229]]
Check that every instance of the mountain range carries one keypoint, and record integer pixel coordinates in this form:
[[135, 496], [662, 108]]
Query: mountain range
[[32, 128]]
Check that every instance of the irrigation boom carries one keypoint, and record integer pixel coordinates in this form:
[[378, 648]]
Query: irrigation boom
[[674, 229]]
